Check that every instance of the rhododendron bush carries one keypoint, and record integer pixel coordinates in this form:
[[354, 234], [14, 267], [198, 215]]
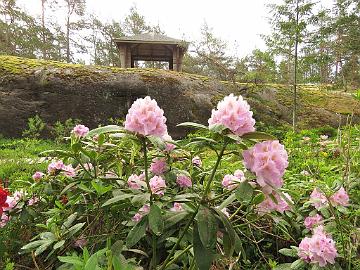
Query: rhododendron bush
[[132, 197]]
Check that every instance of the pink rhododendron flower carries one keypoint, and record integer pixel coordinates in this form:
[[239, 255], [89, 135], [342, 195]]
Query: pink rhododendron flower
[[55, 166], [177, 207], [37, 176], [311, 222], [135, 182], [268, 205], [158, 166], [69, 171], [142, 211], [157, 185], [319, 249], [168, 145], [33, 201], [146, 118], [239, 174], [196, 161], [234, 113], [4, 219], [80, 131], [340, 197], [230, 181], [268, 160], [318, 199], [183, 181]]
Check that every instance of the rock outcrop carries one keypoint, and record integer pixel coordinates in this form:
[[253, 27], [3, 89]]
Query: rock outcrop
[[58, 91]]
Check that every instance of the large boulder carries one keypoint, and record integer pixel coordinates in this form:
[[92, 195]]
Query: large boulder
[[58, 91]]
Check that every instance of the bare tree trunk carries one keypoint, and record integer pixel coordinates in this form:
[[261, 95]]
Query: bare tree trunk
[[295, 67], [44, 53]]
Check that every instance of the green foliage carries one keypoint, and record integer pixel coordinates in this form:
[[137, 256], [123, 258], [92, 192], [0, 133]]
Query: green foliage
[[35, 126], [62, 130]]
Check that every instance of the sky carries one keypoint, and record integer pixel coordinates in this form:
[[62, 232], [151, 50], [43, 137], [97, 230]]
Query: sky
[[238, 22]]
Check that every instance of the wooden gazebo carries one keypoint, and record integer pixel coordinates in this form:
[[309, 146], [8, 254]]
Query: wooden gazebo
[[151, 47]]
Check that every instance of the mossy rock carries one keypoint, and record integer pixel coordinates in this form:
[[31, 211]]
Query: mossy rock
[[94, 94]]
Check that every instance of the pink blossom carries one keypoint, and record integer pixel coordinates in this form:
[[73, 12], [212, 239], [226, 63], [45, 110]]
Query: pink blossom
[[55, 166], [234, 113], [37, 176], [135, 182], [146, 118], [304, 173], [340, 197], [196, 161], [142, 211], [306, 139], [318, 249], [239, 174], [69, 171], [177, 207], [168, 145], [157, 185], [268, 205], [268, 160], [88, 166], [230, 181], [137, 217], [4, 220], [313, 221], [80, 131], [33, 200], [318, 199], [183, 181], [158, 166]]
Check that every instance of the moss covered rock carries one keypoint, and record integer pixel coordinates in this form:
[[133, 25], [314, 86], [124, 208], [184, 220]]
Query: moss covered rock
[[58, 91]]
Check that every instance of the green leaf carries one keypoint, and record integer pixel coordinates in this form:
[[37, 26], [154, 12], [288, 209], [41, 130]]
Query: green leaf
[[193, 125], [59, 244], [69, 221], [217, 128], [117, 199], [259, 198], [68, 187], [74, 229], [258, 136], [34, 244], [92, 263], [244, 192], [228, 248], [227, 201], [283, 266], [203, 256], [157, 142], [43, 247], [175, 218], [136, 233], [156, 222], [100, 189], [298, 264], [106, 129], [207, 226], [288, 252], [228, 227], [72, 260], [76, 147]]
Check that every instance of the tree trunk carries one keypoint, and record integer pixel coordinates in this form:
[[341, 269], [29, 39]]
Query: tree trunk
[[295, 67], [44, 53]]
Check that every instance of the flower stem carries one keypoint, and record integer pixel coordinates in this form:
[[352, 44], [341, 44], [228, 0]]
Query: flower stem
[[146, 169], [206, 191]]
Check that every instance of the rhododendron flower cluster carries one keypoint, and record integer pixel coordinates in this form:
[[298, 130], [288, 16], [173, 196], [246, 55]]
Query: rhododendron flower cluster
[[136, 181], [142, 211], [157, 185], [168, 146], [269, 204], [177, 207], [37, 176], [80, 131], [318, 199], [340, 197], [196, 161], [183, 181], [234, 113], [232, 181], [158, 166], [268, 160], [318, 249], [146, 118], [58, 166], [311, 222]]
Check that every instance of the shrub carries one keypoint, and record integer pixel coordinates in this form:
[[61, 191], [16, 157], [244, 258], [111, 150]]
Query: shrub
[[35, 126]]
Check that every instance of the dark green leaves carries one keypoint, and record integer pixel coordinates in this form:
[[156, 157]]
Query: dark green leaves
[[137, 232], [203, 256], [244, 192], [207, 225], [156, 221]]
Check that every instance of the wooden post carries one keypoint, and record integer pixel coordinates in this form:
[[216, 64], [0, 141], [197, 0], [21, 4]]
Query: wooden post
[[122, 52], [171, 64]]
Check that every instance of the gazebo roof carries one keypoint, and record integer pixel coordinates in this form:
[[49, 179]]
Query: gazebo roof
[[152, 38]]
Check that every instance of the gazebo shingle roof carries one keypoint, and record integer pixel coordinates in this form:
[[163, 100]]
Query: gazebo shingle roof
[[152, 38]]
